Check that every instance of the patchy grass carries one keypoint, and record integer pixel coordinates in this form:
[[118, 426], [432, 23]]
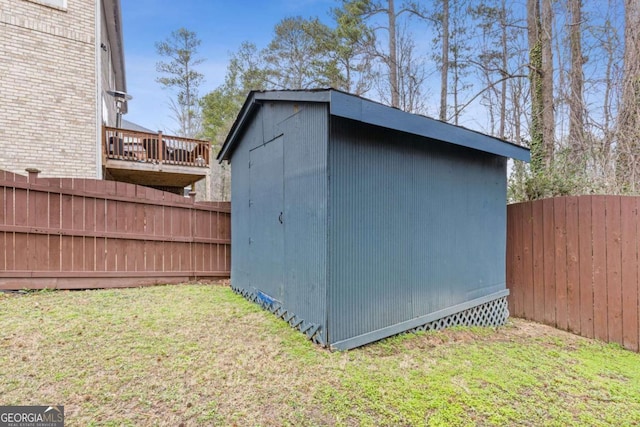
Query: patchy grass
[[201, 355]]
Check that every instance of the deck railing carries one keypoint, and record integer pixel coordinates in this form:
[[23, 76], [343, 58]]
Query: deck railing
[[135, 146]]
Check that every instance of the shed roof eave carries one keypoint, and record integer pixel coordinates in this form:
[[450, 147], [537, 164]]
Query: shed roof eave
[[342, 104], [365, 111]]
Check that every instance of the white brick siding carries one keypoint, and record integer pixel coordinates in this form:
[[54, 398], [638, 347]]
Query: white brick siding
[[48, 88]]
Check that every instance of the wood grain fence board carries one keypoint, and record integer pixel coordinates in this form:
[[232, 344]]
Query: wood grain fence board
[[537, 233], [167, 218], [586, 265], [10, 195], [40, 208], [21, 251], [40, 254], [78, 184], [101, 254], [66, 252], [110, 216], [90, 254], [614, 256], [21, 212], [127, 217], [599, 242], [560, 264], [66, 215], [3, 250], [10, 253], [198, 256], [140, 218], [174, 257], [100, 215], [77, 213], [55, 253], [517, 268], [131, 256], [78, 254], [629, 272], [528, 265], [90, 186], [573, 264], [548, 252], [511, 253], [129, 252], [150, 215], [54, 210], [111, 262], [3, 206], [89, 214]]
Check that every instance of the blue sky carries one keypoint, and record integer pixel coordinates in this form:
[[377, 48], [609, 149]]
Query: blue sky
[[222, 25]]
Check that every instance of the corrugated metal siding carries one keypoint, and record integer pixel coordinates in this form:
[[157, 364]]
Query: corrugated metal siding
[[240, 225], [302, 129], [305, 218], [266, 237], [414, 227]]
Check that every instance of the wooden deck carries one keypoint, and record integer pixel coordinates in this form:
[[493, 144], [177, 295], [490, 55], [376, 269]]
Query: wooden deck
[[154, 159]]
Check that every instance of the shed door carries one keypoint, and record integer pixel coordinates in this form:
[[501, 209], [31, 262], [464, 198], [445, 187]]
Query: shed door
[[266, 212]]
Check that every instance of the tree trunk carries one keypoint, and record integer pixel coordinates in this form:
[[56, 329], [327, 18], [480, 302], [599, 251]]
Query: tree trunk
[[576, 77], [535, 77], [393, 56], [548, 116], [627, 169], [505, 66], [444, 72]]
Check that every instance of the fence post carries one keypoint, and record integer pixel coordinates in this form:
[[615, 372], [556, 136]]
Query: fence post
[[33, 175]]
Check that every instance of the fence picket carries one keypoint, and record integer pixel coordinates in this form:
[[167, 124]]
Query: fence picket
[[629, 272]]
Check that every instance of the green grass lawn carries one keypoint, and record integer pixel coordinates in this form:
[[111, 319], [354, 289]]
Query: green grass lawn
[[200, 355]]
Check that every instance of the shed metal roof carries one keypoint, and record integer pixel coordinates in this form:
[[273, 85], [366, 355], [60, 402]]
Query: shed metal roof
[[353, 107]]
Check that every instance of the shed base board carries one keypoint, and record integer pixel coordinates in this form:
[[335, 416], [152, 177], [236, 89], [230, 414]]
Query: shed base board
[[490, 310]]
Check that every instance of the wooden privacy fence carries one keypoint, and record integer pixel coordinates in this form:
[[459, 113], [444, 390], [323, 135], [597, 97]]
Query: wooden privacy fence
[[83, 233], [572, 262]]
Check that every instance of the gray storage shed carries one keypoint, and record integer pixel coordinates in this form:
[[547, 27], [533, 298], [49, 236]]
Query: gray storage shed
[[354, 221]]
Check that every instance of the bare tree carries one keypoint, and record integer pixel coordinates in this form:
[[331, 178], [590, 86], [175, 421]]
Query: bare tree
[[576, 78], [181, 47], [628, 135], [444, 65], [393, 55], [548, 116], [411, 75], [542, 127]]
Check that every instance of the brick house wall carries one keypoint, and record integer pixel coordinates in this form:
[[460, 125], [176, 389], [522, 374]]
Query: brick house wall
[[48, 87]]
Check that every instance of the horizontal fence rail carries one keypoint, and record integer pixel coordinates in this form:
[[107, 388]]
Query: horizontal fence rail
[[573, 263], [128, 145], [83, 233]]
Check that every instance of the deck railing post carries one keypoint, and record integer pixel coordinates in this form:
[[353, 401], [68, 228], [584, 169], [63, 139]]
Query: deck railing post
[[160, 147]]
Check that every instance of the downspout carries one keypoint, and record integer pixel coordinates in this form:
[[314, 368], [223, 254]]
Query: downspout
[[98, 77]]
